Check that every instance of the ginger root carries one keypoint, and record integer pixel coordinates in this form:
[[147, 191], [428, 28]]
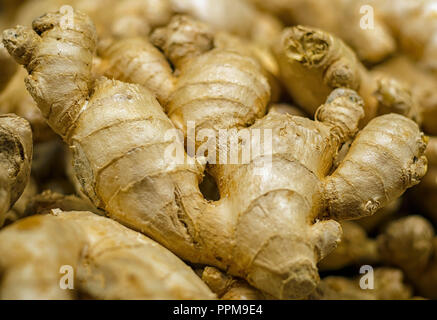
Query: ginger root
[[340, 17], [16, 99], [388, 285], [313, 62], [18, 211], [48, 200], [355, 248], [109, 261], [229, 288], [238, 17], [15, 160], [421, 84], [272, 231], [411, 244], [7, 67], [414, 23], [136, 60]]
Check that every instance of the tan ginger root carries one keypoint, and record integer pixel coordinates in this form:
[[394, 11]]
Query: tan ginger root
[[341, 17], [388, 285], [313, 62], [286, 109], [16, 99], [216, 87], [229, 288], [130, 18], [48, 200], [18, 210], [422, 85], [262, 231], [414, 24], [411, 244], [238, 17], [136, 60], [384, 215], [355, 248], [15, 160], [113, 18], [7, 67], [109, 261], [424, 195]]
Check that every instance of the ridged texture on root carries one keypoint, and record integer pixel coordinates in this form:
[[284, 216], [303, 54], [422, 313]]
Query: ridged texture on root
[[219, 90], [385, 159], [59, 67], [135, 60], [313, 63]]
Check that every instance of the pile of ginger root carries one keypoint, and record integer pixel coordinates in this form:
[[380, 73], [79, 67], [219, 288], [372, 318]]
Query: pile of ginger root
[[118, 182]]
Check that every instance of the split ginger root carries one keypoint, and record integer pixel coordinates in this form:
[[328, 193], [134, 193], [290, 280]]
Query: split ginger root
[[313, 62], [267, 231]]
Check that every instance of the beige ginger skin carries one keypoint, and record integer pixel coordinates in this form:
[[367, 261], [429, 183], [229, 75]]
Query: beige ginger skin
[[411, 24], [411, 244], [421, 84], [238, 17], [313, 62], [340, 17], [229, 288], [15, 160], [389, 284], [137, 60], [355, 248], [109, 261], [414, 24], [265, 231], [16, 99], [7, 67]]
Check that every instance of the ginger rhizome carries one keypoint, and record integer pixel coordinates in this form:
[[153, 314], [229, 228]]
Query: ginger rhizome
[[8, 67], [15, 160], [16, 99], [107, 261], [270, 230], [421, 85], [229, 288], [313, 62], [136, 60], [414, 24], [344, 18], [355, 248], [388, 284], [238, 17], [411, 244]]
